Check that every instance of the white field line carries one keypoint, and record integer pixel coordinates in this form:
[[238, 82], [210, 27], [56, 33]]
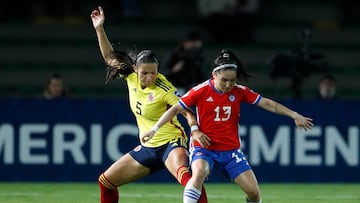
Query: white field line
[[132, 195]]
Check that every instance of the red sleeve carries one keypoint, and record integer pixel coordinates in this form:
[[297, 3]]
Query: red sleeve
[[249, 95], [190, 98]]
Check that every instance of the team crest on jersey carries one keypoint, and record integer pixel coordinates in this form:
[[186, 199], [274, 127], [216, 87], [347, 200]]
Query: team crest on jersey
[[137, 148], [151, 97], [232, 98]]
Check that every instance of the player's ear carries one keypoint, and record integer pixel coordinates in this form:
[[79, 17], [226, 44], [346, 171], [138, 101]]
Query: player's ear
[[135, 68], [213, 74]]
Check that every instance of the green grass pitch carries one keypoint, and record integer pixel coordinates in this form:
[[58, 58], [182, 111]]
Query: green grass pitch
[[172, 192]]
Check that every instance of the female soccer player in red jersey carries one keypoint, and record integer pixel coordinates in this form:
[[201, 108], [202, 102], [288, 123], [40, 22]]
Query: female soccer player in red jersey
[[150, 95], [216, 140]]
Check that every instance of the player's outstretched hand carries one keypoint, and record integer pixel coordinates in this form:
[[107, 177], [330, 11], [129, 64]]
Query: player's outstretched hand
[[146, 136], [303, 122], [97, 17], [201, 138]]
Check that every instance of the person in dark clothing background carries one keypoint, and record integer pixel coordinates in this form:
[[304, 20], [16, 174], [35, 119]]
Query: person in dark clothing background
[[184, 64]]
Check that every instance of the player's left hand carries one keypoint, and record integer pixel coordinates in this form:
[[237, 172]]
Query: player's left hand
[[146, 136], [303, 122]]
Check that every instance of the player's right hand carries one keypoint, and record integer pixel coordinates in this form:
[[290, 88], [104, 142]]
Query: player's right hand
[[97, 17], [146, 136], [201, 138]]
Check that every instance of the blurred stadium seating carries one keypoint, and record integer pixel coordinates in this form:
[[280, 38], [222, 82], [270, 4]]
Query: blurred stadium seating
[[31, 50]]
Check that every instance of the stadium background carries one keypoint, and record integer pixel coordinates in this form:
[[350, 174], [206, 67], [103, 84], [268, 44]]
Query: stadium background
[[35, 43]]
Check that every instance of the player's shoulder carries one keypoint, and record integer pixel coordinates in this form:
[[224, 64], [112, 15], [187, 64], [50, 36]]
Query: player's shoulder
[[202, 86], [244, 89], [241, 87], [163, 84], [132, 77]]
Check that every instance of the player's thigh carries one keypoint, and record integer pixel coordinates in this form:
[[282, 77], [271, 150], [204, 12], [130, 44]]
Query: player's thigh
[[177, 157], [248, 182], [201, 163], [125, 170]]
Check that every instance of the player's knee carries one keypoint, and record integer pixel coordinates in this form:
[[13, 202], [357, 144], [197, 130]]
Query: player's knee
[[200, 174], [202, 170], [253, 195], [105, 182]]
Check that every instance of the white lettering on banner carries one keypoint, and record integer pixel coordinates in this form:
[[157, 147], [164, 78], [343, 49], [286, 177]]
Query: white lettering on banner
[[335, 141], [96, 143], [7, 144], [306, 146], [29, 144], [303, 145], [60, 145], [114, 135], [259, 145]]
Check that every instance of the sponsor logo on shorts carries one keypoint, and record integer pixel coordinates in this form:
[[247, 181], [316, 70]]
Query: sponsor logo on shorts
[[198, 153], [137, 148]]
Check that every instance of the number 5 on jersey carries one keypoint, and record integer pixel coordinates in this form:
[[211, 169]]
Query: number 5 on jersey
[[138, 108]]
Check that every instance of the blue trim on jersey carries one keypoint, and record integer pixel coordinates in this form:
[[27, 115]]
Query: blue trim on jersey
[[182, 104], [258, 99], [213, 87]]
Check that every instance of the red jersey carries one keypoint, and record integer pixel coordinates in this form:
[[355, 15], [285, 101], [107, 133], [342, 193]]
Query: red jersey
[[218, 113]]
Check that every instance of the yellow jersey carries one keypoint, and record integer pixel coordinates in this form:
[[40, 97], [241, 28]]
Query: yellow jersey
[[149, 104]]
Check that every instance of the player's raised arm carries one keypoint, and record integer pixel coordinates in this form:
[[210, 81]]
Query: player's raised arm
[[98, 19], [275, 107]]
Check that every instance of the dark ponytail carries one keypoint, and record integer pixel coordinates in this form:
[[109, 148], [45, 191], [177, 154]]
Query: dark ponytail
[[122, 70]]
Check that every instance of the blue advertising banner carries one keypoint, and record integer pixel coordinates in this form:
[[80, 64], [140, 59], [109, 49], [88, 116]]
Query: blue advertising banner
[[77, 139]]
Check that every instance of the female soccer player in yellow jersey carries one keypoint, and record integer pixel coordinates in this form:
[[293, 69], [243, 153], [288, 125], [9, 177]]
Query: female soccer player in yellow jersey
[[150, 95]]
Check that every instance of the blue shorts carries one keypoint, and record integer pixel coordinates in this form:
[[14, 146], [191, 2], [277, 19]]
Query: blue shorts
[[231, 163], [154, 157]]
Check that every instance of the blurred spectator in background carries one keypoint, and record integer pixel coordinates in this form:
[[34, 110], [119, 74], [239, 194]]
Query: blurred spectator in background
[[14, 11], [131, 8], [184, 64], [327, 87], [55, 87], [228, 20], [349, 10], [66, 11]]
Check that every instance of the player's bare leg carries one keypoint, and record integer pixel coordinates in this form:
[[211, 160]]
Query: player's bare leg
[[177, 164], [248, 183], [200, 170], [124, 170]]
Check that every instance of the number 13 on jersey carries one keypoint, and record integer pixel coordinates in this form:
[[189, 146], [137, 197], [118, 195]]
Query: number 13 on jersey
[[222, 113]]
